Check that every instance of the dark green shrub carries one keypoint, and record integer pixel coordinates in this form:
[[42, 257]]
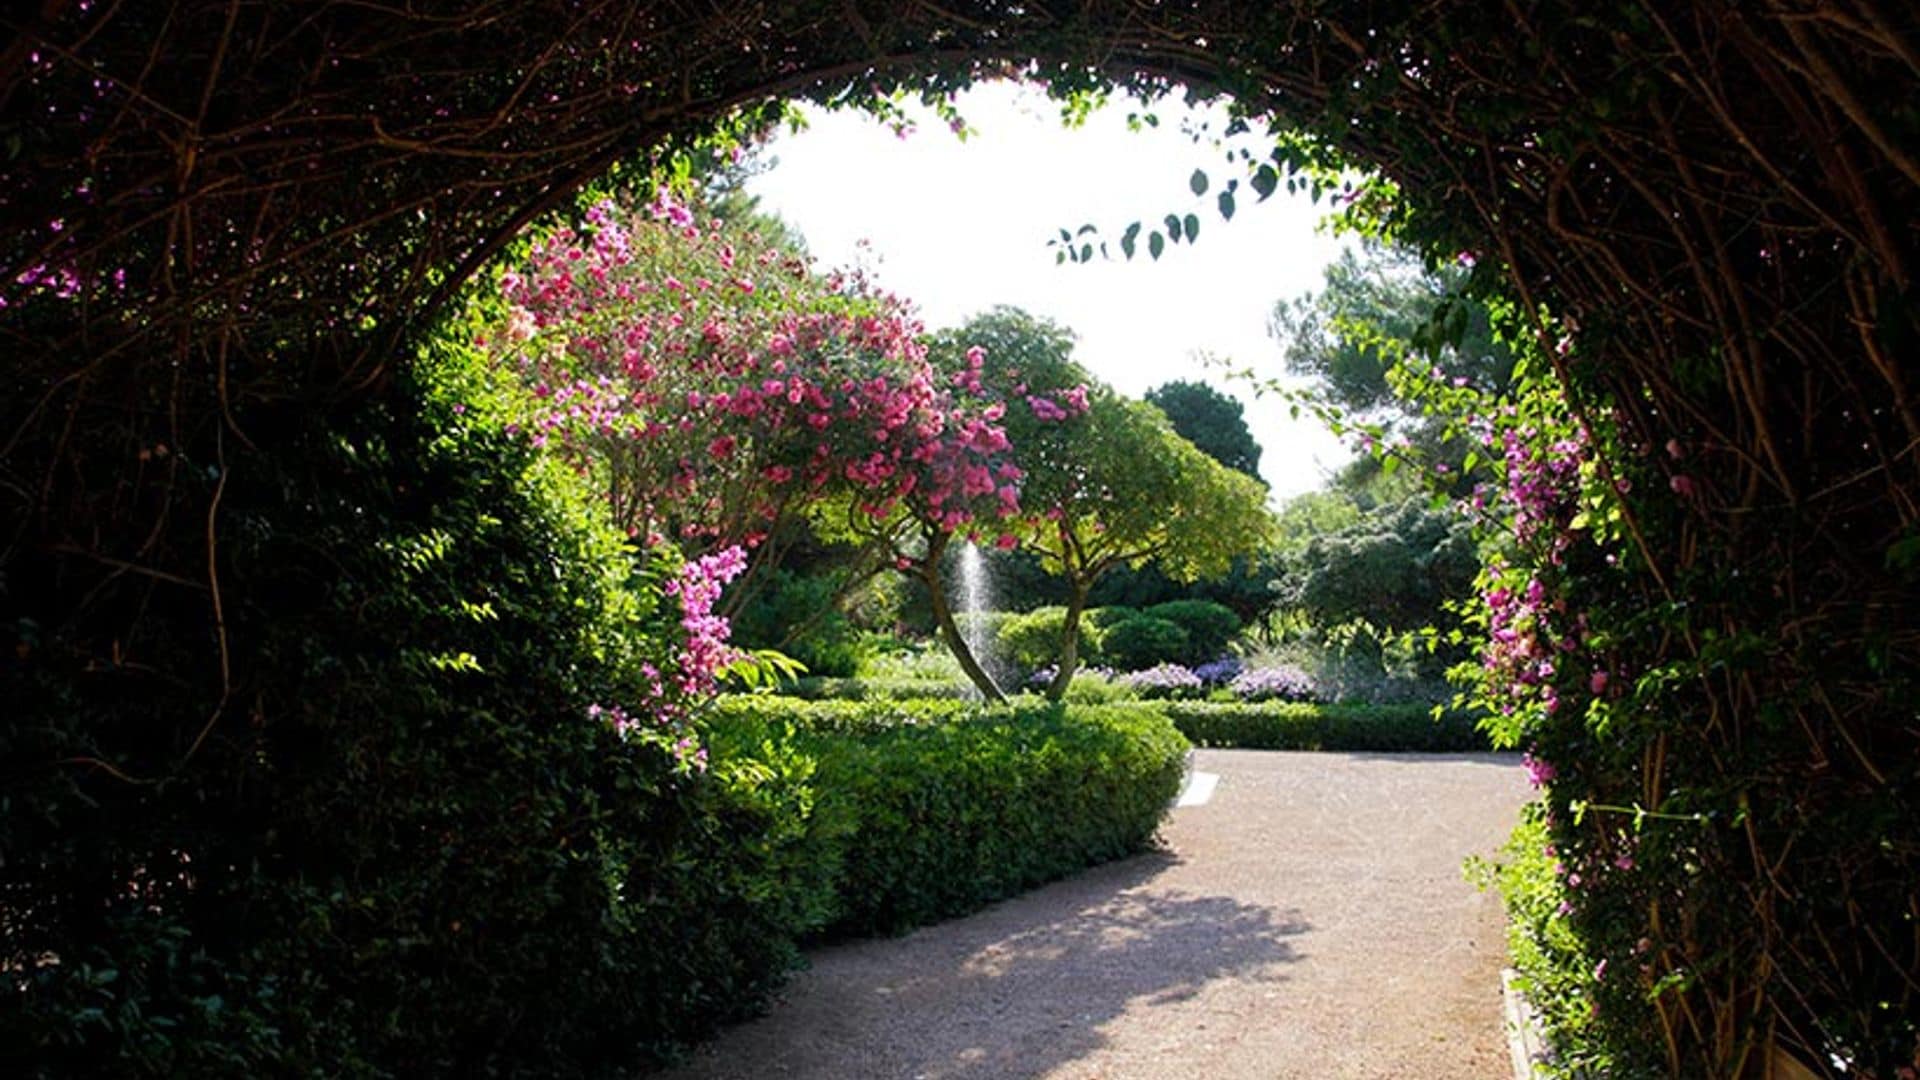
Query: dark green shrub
[[1142, 642], [404, 847], [827, 641], [1209, 627], [1298, 725]]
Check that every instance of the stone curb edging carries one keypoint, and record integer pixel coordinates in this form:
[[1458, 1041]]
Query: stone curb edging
[[1525, 1042]]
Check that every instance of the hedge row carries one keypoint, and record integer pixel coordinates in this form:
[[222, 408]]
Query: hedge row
[[1298, 725], [928, 812], [827, 688]]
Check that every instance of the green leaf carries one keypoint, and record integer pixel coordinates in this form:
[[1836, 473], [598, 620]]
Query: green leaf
[[1198, 181], [1156, 244], [1173, 227], [1226, 205], [1192, 223], [1128, 238], [1264, 181]]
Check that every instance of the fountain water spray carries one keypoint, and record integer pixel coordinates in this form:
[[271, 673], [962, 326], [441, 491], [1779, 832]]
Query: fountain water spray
[[974, 603]]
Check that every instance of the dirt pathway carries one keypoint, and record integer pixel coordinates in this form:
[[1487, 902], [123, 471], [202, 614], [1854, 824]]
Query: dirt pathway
[[1308, 920]]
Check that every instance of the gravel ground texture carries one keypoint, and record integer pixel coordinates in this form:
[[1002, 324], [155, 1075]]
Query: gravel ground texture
[[1310, 920]]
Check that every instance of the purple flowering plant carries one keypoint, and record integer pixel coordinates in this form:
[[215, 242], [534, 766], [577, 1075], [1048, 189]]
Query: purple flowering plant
[[1282, 683]]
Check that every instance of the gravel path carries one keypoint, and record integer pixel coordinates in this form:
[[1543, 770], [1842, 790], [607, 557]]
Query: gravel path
[[1309, 920]]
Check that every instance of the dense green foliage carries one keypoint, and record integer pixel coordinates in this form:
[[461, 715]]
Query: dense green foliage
[[949, 810], [1552, 959], [1299, 725], [870, 688], [420, 854], [795, 607]]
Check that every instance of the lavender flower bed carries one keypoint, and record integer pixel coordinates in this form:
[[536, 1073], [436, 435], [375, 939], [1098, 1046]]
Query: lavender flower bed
[[1274, 684], [1220, 672], [1165, 680]]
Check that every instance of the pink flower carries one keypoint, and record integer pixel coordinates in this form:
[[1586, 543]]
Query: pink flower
[[1682, 485], [1598, 684]]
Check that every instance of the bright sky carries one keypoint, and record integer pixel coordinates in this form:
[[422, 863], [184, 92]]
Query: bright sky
[[959, 227]]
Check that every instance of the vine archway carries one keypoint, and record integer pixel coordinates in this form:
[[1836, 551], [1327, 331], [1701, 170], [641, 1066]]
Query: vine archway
[[222, 217]]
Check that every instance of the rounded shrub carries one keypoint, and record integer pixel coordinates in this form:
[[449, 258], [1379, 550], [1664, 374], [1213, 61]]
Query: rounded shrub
[[1031, 641], [1143, 642], [1209, 627]]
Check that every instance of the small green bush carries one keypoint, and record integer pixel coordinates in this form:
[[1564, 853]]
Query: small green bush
[[1143, 642], [1299, 725], [1209, 627], [1031, 641]]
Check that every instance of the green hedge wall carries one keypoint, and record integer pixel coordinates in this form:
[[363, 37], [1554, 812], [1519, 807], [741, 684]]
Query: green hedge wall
[[1299, 725], [939, 812], [888, 688]]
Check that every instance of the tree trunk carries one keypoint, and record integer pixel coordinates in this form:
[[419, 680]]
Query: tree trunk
[[1069, 641], [950, 630]]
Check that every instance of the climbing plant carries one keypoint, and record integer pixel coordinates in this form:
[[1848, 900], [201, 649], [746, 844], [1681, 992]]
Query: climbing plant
[[228, 223]]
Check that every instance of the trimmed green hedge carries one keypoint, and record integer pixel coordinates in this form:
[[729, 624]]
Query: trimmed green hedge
[[1299, 725], [939, 812], [817, 688]]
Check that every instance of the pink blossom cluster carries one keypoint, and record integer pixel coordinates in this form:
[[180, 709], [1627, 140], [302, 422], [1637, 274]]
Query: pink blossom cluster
[[703, 651], [716, 381], [698, 585]]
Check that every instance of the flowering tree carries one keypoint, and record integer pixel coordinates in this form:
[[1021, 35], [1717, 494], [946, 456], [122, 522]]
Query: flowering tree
[[716, 387], [963, 491]]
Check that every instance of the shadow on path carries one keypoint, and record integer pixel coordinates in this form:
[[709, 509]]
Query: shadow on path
[[1013, 991]]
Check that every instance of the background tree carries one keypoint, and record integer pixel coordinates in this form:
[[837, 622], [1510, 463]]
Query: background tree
[[1385, 316], [1211, 421], [1392, 571]]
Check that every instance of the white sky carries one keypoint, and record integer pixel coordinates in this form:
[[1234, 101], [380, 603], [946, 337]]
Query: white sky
[[959, 227]]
